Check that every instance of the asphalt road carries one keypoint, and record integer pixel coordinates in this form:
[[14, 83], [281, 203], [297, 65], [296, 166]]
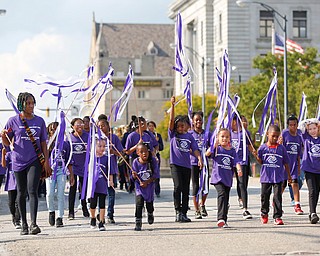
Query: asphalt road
[[165, 237]]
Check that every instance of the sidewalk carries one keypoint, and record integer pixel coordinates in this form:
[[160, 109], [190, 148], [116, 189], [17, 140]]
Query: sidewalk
[[166, 237]]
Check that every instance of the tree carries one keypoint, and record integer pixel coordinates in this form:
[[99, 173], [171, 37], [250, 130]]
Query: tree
[[303, 71]]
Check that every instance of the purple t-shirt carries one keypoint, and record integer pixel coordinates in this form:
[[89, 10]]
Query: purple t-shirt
[[134, 137], [199, 138], [144, 172], [116, 144], [311, 154], [24, 153], [180, 145], [102, 182], [79, 149], [2, 169], [224, 161], [63, 157], [293, 145], [273, 161], [11, 179], [237, 144]]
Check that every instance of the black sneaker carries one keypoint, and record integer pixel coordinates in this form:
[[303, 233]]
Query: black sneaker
[[52, 218], [138, 225], [111, 220], [101, 226], [34, 229], [71, 216], [85, 212], [150, 218], [59, 223], [184, 218], [93, 223], [313, 217], [246, 215], [98, 217], [197, 215], [24, 229], [178, 217], [17, 224], [203, 211]]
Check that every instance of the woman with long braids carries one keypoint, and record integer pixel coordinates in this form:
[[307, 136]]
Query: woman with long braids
[[79, 139], [29, 153]]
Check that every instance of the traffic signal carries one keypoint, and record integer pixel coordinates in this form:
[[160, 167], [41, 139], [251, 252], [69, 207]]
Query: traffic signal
[[48, 112]]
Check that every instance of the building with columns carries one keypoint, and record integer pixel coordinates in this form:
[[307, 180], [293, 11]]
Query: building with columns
[[146, 47]]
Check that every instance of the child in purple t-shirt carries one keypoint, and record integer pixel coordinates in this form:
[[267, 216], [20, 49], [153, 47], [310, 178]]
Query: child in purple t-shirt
[[181, 143], [145, 170], [292, 140], [101, 186], [224, 160], [311, 163], [273, 157], [11, 187]]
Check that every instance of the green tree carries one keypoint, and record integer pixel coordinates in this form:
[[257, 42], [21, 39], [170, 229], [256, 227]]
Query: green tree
[[303, 71]]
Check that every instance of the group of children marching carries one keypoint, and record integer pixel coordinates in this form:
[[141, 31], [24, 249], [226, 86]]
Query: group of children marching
[[282, 158]]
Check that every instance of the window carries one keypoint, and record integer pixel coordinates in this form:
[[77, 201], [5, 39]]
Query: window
[[266, 20], [300, 24], [141, 94], [220, 27], [168, 93], [201, 32]]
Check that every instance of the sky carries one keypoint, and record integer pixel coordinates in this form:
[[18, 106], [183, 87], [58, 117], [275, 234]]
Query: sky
[[52, 38]]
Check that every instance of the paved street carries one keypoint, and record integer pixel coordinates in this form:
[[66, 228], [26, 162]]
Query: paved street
[[165, 237]]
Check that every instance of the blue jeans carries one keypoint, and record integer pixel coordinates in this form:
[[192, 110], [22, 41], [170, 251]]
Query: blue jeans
[[111, 201], [300, 182], [60, 183]]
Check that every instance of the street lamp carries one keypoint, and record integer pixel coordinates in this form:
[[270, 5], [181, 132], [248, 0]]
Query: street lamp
[[235, 68], [283, 27], [201, 61]]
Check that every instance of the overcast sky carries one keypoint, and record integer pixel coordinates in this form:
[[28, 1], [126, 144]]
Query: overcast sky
[[53, 37]]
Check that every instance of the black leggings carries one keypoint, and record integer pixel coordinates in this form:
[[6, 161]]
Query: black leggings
[[140, 205], [181, 183], [1, 179], [73, 192], [242, 184], [28, 181], [94, 201], [313, 183], [13, 205]]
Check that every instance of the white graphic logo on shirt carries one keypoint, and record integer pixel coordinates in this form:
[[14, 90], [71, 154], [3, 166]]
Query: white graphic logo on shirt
[[271, 160], [33, 131], [183, 145], [226, 161], [294, 148], [78, 148], [235, 144], [315, 150], [145, 175]]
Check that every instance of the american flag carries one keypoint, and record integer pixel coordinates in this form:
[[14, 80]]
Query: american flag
[[292, 46]]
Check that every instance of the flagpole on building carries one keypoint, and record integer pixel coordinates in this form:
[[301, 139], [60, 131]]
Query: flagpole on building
[[243, 3]]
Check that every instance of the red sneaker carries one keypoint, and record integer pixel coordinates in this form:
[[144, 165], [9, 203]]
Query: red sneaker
[[278, 221], [297, 209], [221, 223], [264, 218]]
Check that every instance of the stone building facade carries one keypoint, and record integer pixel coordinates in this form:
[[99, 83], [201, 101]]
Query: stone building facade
[[146, 47]]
